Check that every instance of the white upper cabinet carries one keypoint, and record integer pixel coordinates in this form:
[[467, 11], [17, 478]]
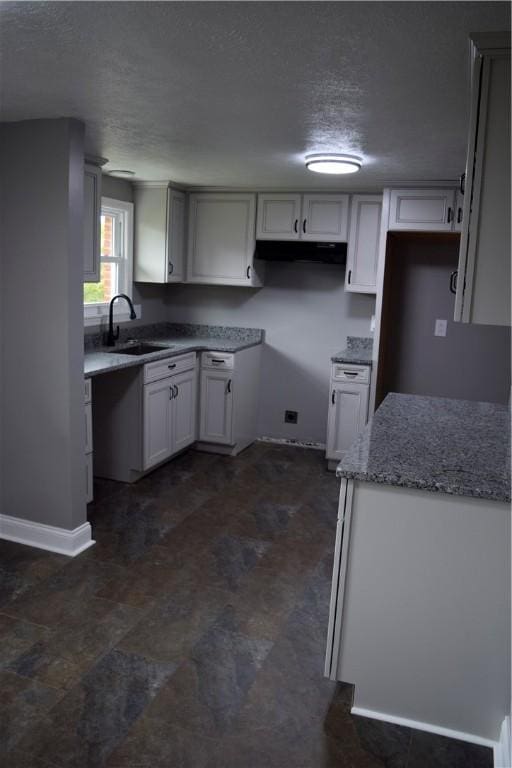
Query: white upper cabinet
[[159, 241], [324, 217], [363, 244], [221, 239], [422, 210], [302, 217], [278, 217], [483, 281], [92, 223]]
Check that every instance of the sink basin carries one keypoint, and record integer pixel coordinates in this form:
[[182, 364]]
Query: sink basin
[[139, 349]]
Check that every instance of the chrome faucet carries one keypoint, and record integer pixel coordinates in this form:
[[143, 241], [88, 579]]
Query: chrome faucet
[[109, 339]]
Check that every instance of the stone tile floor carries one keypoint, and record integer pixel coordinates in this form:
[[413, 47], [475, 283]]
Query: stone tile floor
[[193, 634]]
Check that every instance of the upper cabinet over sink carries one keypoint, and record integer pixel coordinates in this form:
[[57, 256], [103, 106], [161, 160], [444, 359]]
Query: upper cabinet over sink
[[159, 252], [314, 217]]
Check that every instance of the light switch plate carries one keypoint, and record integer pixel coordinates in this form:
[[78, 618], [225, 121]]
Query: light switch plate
[[440, 327]]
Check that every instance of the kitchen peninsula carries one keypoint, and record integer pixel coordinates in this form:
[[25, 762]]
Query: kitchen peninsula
[[420, 604]]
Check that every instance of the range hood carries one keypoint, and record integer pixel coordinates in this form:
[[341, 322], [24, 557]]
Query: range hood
[[299, 250]]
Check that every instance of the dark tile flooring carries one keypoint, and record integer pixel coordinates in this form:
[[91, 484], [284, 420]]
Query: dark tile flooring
[[193, 634]]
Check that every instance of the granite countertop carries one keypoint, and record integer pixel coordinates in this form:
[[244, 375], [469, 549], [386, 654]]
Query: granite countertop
[[358, 351], [435, 444], [174, 338]]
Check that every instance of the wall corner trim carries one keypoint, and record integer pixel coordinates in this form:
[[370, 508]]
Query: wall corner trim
[[429, 728], [47, 537], [503, 747]]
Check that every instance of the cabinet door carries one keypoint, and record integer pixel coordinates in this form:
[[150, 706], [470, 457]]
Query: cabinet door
[[175, 261], [184, 409], [348, 411], [216, 423], [363, 244], [324, 217], [423, 210], [221, 239], [278, 217], [157, 416], [92, 223], [483, 284]]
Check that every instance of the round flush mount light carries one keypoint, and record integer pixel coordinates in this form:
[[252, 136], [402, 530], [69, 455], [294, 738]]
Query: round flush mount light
[[120, 172], [333, 163]]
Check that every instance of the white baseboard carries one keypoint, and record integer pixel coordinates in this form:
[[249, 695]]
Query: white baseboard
[[429, 727], [293, 443], [503, 747], [47, 537]]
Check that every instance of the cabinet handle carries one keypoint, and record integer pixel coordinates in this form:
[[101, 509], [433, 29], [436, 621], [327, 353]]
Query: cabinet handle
[[349, 276], [296, 225], [453, 281], [350, 373], [333, 396], [450, 215], [304, 226], [177, 390], [171, 392], [249, 272], [462, 183], [216, 360], [459, 215], [170, 367], [228, 388], [171, 267]]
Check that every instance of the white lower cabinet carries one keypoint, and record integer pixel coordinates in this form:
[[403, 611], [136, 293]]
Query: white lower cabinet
[[229, 400], [348, 409], [169, 417], [216, 407], [88, 442]]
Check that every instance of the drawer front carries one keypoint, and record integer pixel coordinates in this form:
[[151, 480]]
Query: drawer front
[[360, 373], [87, 386], [168, 367], [219, 360]]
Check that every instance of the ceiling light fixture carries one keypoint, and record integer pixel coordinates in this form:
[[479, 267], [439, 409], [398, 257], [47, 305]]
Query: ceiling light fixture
[[333, 163], [120, 172]]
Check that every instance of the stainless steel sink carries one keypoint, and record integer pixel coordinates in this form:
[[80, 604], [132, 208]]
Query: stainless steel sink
[[139, 349]]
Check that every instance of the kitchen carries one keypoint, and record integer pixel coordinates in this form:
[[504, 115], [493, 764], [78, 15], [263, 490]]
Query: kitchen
[[251, 516]]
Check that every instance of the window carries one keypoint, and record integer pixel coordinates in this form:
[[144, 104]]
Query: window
[[115, 262]]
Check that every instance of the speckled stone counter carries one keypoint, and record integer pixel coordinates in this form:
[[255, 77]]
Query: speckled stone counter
[[175, 339], [435, 444], [358, 351]]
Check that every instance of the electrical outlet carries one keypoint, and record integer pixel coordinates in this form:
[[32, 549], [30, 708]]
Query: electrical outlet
[[372, 324], [440, 327], [290, 417]]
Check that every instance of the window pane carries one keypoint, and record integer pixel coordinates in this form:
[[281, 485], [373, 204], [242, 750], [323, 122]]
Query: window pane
[[107, 235], [103, 291]]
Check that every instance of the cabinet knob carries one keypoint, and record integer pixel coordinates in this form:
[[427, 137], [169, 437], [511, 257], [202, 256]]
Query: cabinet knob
[[170, 367], [171, 267]]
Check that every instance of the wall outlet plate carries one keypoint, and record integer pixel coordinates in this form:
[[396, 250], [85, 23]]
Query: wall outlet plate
[[290, 417], [440, 327]]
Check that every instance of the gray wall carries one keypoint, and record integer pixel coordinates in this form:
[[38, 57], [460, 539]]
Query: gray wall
[[472, 362], [307, 316], [153, 299], [41, 250]]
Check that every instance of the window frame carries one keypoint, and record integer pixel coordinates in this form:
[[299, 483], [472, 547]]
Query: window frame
[[94, 312]]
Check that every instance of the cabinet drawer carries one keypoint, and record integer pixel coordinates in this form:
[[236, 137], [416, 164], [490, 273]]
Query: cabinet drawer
[[171, 365], [360, 373], [87, 389], [218, 360]]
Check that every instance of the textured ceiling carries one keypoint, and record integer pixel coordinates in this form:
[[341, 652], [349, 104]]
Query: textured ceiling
[[235, 94]]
